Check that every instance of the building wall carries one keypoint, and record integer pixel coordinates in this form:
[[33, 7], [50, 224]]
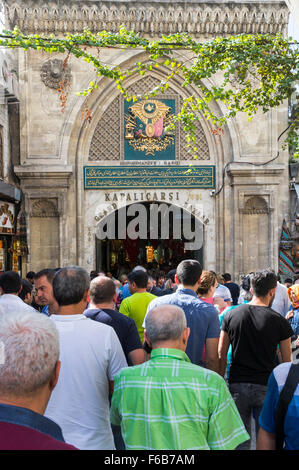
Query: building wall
[[12, 245], [56, 146]]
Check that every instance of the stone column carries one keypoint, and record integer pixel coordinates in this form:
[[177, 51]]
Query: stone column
[[45, 190]]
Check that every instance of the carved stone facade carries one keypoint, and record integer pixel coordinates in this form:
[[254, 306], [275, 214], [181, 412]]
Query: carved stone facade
[[243, 221], [44, 208], [106, 140], [107, 137], [44, 232], [148, 17], [256, 205]]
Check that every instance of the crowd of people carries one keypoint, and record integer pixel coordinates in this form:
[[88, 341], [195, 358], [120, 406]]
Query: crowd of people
[[147, 358]]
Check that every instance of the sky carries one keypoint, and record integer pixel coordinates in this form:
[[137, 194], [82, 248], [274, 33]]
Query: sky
[[294, 19]]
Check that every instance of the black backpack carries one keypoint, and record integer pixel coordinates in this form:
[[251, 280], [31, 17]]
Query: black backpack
[[285, 397]]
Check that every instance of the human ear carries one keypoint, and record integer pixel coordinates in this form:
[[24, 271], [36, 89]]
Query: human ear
[[55, 376]]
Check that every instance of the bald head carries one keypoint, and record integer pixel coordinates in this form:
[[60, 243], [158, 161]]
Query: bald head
[[165, 323], [102, 290]]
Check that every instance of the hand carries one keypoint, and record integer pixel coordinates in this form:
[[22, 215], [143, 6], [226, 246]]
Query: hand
[[219, 301], [290, 314]]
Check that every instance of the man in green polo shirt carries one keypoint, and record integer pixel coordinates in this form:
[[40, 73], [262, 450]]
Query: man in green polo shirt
[[170, 403], [136, 305]]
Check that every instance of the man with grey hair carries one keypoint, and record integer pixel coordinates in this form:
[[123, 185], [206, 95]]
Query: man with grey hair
[[91, 355], [29, 370], [154, 403]]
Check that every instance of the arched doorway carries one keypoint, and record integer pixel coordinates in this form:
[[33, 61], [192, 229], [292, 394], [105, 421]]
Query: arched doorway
[[149, 233]]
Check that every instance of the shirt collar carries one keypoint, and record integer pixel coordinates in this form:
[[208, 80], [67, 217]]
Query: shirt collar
[[11, 298], [92, 312], [184, 290], [75, 317], [31, 419], [170, 353]]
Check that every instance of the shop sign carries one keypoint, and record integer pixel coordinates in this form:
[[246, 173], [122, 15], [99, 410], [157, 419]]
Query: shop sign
[[7, 217], [136, 177]]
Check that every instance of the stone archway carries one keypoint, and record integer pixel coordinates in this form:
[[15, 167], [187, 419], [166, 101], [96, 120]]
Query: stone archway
[[106, 141], [88, 146]]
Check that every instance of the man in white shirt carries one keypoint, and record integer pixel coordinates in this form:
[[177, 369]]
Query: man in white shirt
[[281, 302], [90, 355], [10, 284], [222, 293]]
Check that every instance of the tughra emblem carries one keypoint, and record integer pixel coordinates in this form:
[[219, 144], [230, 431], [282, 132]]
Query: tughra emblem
[[147, 126]]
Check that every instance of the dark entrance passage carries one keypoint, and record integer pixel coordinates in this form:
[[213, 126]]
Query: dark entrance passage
[[158, 235]]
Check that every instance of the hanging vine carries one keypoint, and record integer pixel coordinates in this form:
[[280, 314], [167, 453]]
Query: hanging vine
[[253, 72]]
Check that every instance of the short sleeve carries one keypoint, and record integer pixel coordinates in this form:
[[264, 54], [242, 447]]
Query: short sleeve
[[223, 292], [286, 329], [225, 322], [214, 324], [228, 297], [132, 338], [123, 308], [226, 429], [115, 416], [150, 306], [116, 357]]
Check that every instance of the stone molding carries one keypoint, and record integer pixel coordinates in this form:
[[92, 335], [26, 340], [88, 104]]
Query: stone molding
[[242, 173], [254, 201], [44, 208], [256, 205], [43, 176], [148, 18]]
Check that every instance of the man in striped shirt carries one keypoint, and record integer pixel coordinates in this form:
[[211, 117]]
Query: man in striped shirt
[[170, 403]]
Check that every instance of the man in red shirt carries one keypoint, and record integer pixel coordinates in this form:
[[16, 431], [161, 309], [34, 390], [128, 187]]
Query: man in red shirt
[[29, 370]]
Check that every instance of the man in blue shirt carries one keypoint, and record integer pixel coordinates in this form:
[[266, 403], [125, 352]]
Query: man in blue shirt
[[202, 318], [267, 419]]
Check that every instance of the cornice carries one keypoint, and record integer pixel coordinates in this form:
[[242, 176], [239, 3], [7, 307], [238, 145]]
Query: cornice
[[237, 170], [41, 176], [149, 18]]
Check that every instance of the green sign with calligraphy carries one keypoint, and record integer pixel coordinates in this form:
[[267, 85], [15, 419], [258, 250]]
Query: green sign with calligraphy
[[149, 177]]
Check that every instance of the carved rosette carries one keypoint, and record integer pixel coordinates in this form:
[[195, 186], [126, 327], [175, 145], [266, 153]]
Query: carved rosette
[[53, 73]]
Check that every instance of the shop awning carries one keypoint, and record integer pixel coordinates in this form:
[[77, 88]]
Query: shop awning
[[9, 191]]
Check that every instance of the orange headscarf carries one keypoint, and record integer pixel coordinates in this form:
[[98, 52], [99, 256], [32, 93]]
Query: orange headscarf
[[295, 290]]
